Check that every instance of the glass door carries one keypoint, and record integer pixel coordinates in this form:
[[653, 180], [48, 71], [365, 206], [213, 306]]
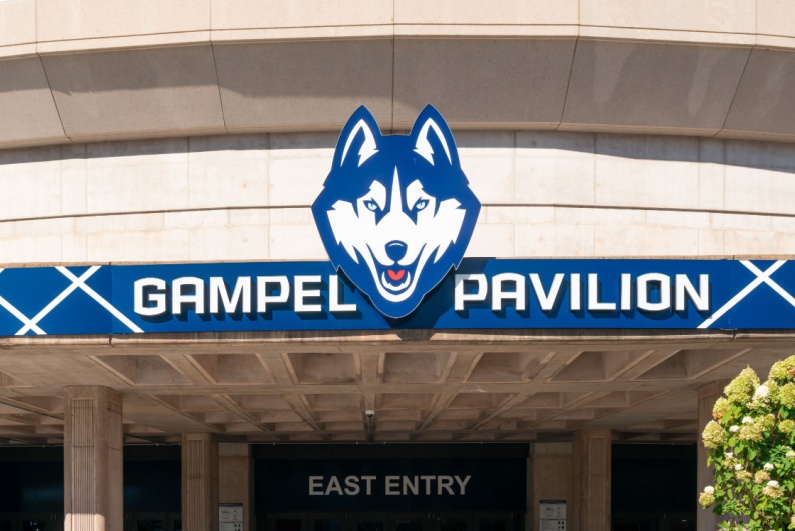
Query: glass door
[[285, 522], [494, 522], [327, 522], [149, 522], [40, 522], [454, 521], [153, 522], [411, 522], [369, 522], [7, 522]]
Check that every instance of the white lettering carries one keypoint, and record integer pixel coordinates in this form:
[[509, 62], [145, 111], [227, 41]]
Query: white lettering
[[392, 485], [334, 486], [626, 292], [463, 484], [335, 300], [684, 288], [242, 292], [351, 485], [315, 483], [409, 485], [547, 300], [499, 295], [445, 483], [477, 296], [576, 300], [428, 480], [368, 483], [159, 299], [263, 299], [594, 304], [178, 298], [664, 283], [301, 293]]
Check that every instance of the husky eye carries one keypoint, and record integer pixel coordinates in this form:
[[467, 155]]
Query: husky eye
[[421, 205], [371, 205]]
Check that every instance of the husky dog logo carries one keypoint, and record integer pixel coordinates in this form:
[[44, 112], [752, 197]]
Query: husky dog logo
[[396, 212]]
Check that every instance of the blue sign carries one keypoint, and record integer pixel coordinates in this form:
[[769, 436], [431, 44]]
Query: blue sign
[[480, 294], [396, 212]]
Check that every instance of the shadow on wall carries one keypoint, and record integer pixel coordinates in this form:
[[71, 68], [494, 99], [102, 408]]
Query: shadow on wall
[[771, 156]]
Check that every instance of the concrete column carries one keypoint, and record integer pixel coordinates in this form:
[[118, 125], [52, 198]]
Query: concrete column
[[93, 441], [706, 520], [591, 461], [550, 479], [236, 478], [199, 482]]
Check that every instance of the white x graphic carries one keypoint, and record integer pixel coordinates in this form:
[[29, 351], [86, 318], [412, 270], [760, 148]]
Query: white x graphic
[[19, 315], [79, 282], [57, 300], [761, 277]]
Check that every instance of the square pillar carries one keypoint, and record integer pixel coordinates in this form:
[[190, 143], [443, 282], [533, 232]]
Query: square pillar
[[199, 482], [550, 479], [93, 439], [706, 520], [591, 461], [236, 478]]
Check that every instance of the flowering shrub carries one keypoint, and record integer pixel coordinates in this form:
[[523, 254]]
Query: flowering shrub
[[750, 443]]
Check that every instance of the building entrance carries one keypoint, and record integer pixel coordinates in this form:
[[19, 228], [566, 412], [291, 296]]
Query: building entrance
[[152, 522], [31, 522], [390, 487], [373, 521]]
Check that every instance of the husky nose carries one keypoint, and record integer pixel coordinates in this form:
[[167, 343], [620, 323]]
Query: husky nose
[[396, 250]]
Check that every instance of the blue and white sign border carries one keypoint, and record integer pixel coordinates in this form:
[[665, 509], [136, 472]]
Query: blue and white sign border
[[311, 296]]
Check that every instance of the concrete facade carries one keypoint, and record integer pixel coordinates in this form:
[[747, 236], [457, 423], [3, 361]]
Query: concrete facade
[[111, 70], [202, 131], [544, 194]]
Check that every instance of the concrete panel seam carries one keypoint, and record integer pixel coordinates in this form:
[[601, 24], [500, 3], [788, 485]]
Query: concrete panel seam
[[52, 95], [736, 89], [568, 79], [218, 85]]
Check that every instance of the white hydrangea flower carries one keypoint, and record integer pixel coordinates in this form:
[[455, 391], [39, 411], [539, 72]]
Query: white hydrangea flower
[[790, 453], [768, 466], [710, 490], [772, 483], [738, 466], [734, 429], [761, 392], [748, 420], [730, 454]]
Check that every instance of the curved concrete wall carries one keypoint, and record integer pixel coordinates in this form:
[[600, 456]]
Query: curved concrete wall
[[247, 197], [56, 26], [96, 70]]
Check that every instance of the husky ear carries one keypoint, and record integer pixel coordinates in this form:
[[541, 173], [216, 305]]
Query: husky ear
[[359, 139], [432, 138]]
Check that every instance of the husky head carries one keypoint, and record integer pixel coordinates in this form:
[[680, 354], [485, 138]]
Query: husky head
[[396, 212]]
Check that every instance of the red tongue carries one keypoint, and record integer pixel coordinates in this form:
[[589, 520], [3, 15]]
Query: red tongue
[[396, 275]]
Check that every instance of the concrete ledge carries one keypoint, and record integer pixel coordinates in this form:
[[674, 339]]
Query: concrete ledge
[[94, 70], [521, 83], [64, 26]]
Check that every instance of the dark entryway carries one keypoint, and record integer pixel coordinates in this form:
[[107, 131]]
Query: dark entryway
[[426, 521], [32, 488], [654, 487], [397, 487]]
